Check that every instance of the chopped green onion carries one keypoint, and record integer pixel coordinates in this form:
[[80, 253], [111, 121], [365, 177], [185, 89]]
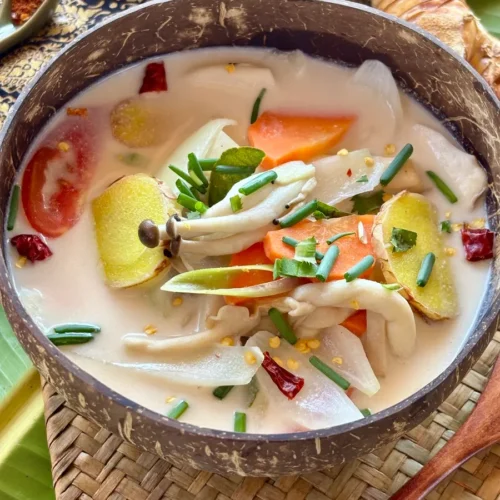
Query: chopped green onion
[[291, 268], [445, 226], [396, 165], [195, 167], [426, 269], [363, 178], [236, 204], [282, 325], [329, 372], [305, 250], [13, 208], [258, 182], [191, 203], [359, 268], [287, 240], [256, 106], [187, 178], [319, 215], [208, 163], [200, 207], [240, 421], [222, 391], [442, 186], [402, 239], [77, 328], [70, 338], [327, 263], [300, 214], [226, 169], [366, 412], [336, 237], [183, 188], [393, 287], [178, 410]]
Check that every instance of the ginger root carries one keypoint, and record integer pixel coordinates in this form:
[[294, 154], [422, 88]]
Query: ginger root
[[453, 22]]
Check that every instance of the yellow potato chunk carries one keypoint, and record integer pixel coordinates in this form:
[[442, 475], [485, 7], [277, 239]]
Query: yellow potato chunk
[[137, 124], [438, 299], [117, 215]]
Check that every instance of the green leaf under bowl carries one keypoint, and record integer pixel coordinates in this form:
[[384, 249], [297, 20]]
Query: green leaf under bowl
[[489, 13]]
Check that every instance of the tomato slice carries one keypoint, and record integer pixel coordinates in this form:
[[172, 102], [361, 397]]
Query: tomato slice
[[58, 175]]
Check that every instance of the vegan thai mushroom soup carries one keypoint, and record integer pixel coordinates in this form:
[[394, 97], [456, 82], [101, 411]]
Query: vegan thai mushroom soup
[[250, 240]]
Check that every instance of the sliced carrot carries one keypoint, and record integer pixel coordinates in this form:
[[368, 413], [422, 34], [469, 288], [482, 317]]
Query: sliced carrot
[[252, 255], [356, 323], [287, 137], [352, 250]]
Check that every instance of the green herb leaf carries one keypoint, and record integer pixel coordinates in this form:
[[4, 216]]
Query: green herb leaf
[[244, 156], [294, 269], [402, 239], [363, 178], [330, 211], [445, 226], [367, 204], [305, 251], [393, 287]]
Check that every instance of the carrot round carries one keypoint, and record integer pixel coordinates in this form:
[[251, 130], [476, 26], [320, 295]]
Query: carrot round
[[352, 250], [356, 323], [252, 255], [287, 137]]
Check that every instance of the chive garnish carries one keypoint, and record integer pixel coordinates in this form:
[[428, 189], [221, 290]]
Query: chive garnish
[[336, 237], [187, 178], [282, 325], [329, 372], [226, 169], [256, 106], [13, 208], [222, 391], [300, 214], [183, 188], [396, 165], [359, 268], [327, 263], [195, 167], [240, 421], [70, 338], [365, 412], [236, 204], [287, 240], [258, 182], [442, 186], [208, 163], [426, 269], [77, 328], [178, 410], [191, 203]]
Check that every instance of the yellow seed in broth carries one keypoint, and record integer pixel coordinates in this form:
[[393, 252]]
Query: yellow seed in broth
[[390, 149], [177, 301], [274, 342], [337, 360], [450, 251], [369, 161], [250, 358], [278, 361], [343, 152], [150, 329], [313, 343], [229, 341], [21, 262], [292, 364]]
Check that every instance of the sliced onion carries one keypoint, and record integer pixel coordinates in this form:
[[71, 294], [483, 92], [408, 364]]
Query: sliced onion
[[200, 143], [462, 171], [334, 184], [340, 344], [319, 404], [209, 367]]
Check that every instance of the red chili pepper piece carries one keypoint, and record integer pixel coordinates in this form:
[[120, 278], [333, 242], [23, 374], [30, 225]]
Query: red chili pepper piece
[[478, 243], [288, 383], [155, 78], [349, 173], [31, 246]]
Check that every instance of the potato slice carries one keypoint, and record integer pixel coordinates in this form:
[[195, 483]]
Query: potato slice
[[117, 215], [438, 299]]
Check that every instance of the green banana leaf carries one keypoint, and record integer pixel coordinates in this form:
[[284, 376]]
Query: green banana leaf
[[489, 13]]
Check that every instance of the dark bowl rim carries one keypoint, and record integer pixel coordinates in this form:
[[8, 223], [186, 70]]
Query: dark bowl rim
[[481, 329]]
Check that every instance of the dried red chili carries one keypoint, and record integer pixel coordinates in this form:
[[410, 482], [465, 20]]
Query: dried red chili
[[22, 10], [288, 383], [349, 173], [155, 78], [478, 243], [31, 246]]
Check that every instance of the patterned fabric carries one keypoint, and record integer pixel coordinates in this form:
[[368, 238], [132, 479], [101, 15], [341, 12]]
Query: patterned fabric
[[72, 17]]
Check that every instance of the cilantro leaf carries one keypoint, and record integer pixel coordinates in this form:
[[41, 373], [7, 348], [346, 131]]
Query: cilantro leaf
[[402, 239], [445, 226], [363, 178], [245, 156], [329, 211], [367, 204]]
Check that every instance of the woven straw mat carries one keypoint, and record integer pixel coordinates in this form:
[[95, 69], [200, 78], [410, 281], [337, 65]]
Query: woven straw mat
[[90, 463]]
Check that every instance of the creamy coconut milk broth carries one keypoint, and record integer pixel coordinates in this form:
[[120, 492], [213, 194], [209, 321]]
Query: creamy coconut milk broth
[[70, 286]]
